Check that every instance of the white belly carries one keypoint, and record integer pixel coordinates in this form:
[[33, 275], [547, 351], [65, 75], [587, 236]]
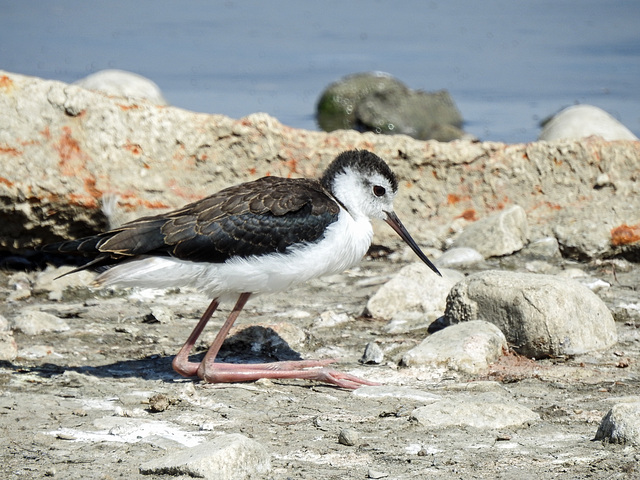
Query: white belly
[[345, 242]]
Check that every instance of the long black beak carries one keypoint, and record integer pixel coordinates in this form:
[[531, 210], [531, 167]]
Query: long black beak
[[393, 220]]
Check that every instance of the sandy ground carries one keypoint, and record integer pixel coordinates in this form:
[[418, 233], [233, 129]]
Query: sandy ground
[[103, 399]]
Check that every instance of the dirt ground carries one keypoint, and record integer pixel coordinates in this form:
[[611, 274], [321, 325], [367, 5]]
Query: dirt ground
[[100, 399]]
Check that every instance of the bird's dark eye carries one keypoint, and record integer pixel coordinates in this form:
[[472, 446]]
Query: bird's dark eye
[[378, 191]]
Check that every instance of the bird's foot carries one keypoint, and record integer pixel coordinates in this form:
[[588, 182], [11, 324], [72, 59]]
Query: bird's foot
[[300, 369]]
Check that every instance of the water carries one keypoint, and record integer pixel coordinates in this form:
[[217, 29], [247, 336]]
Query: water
[[507, 64]]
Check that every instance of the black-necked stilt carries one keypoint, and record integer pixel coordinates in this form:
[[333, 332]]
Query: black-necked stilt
[[256, 237]]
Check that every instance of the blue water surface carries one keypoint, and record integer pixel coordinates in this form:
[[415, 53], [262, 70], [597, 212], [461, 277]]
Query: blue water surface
[[507, 64]]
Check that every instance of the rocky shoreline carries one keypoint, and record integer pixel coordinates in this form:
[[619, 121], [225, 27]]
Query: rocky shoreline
[[536, 375]]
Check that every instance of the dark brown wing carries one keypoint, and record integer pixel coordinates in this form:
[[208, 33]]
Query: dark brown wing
[[254, 218]]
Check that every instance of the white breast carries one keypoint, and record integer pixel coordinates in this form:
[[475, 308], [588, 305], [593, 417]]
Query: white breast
[[344, 244]]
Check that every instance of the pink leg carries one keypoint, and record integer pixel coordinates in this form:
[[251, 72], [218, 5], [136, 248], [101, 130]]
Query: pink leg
[[181, 363], [213, 372]]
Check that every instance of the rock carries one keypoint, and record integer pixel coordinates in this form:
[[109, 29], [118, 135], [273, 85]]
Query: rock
[[414, 288], [54, 282], [467, 347], [379, 103], [121, 83], [492, 413], [228, 457], [581, 121], [373, 354], [544, 248], [59, 168], [499, 234], [621, 424], [383, 391], [8, 347], [460, 257], [33, 322], [348, 437], [159, 314], [540, 315]]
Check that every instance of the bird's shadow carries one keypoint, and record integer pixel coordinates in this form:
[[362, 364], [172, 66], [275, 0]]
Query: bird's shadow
[[254, 344]]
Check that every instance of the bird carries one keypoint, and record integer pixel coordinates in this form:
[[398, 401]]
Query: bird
[[254, 238]]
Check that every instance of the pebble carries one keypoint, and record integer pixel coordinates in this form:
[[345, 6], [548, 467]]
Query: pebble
[[492, 412], [376, 474], [466, 347], [159, 314], [8, 347], [499, 234], [348, 437], [459, 257], [228, 457], [51, 282], [621, 424], [414, 288], [34, 322], [547, 247], [579, 121], [541, 315], [373, 354]]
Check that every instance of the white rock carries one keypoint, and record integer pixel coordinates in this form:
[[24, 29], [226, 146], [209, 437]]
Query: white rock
[[121, 83], [581, 121], [382, 391], [621, 424], [499, 234], [546, 247], [33, 322], [500, 412], [51, 281], [414, 288], [460, 257], [8, 347], [467, 347], [540, 315], [229, 457]]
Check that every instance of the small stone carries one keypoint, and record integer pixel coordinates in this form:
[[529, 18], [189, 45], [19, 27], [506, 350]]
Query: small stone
[[228, 457], [500, 234], [414, 288], [492, 413], [8, 347], [34, 322], [161, 402], [159, 314], [460, 257], [376, 474], [621, 424], [348, 437], [373, 354], [467, 347], [546, 247], [330, 319]]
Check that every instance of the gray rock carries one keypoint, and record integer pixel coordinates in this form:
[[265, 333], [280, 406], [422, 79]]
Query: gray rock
[[621, 424], [414, 288], [581, 121], [499, 234], [487, 413], [379, 103], [373, 354], [459, 257], [228, 457], [540, 315], [33, 322], [121, 83], [468, 347], [348, 437], [546, 247]]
